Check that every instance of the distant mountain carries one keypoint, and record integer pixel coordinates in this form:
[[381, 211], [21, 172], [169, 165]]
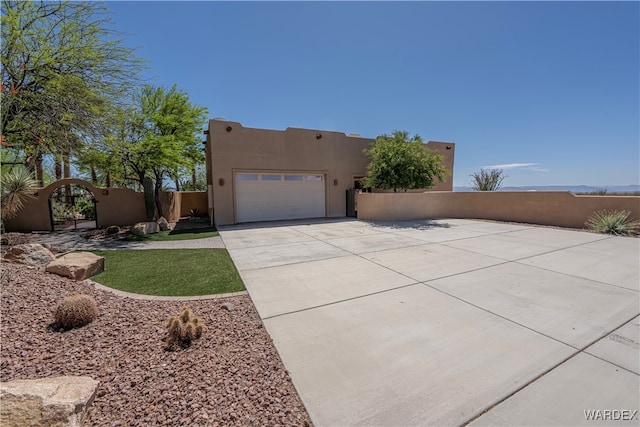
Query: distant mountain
[[572, 188]]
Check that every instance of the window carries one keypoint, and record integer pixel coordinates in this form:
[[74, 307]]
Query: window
[[272, 177], [293, 177], [313, 178], [247, 177]]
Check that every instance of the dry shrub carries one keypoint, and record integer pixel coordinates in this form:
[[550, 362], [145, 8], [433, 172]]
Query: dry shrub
[[75, 311], [182, 330]]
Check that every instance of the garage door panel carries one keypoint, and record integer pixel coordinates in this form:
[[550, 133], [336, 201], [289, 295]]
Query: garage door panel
[[291, 196]]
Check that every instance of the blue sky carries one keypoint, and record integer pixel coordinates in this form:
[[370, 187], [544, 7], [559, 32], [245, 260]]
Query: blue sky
[[549, 91]]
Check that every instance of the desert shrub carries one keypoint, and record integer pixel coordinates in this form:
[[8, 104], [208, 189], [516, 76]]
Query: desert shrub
[[4, 241], [487, 180], [86, 208], [182, 330], [75, 311], [194, 213], [113, 229], [613, 222]]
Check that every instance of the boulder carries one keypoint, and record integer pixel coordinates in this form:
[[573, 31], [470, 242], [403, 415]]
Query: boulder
[[57, 401], [77, 265], [144, 228], [163, 224], [32, 254]]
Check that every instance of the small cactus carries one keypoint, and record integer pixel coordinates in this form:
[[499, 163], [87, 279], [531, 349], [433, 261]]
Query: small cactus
[[113, 229], [182, 330], [75, 311]]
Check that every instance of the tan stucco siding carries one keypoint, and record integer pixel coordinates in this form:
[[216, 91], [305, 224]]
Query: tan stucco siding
[[337, 156], [232, 148]]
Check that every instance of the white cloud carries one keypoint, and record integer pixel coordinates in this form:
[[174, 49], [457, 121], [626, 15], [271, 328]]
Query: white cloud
[[527, 166]]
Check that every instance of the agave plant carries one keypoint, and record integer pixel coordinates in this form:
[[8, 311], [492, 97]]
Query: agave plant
[[613, 222], [17, 187]]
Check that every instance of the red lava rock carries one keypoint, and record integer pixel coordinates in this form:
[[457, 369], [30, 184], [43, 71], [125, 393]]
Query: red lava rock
[[227, 377]]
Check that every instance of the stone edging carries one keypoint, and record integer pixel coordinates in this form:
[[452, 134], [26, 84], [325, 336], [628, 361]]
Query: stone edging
[[162, 298]]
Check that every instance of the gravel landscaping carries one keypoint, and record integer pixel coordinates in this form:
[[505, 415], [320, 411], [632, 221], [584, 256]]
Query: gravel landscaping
[[231, 376]]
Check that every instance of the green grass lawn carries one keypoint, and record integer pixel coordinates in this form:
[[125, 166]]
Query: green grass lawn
[[186, 234], [170, 272]]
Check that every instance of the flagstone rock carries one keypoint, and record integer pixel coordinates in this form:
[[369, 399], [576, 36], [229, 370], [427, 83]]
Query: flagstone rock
[[32, 254], [163, 224], [144, 228], [49, 402], [77, 265]]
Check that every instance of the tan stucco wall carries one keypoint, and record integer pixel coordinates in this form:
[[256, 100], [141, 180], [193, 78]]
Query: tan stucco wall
[[540, 207], [193, 200], [170, 201], [233, 148], [177, 204], [114, 206]]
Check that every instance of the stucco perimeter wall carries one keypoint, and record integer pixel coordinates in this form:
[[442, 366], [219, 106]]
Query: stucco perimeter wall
[[114, 206], [193, 200], [541, 207], [170, 201], [176, 205], [335, 155]]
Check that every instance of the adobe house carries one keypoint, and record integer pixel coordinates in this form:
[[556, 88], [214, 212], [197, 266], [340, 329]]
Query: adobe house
[[266, 175]]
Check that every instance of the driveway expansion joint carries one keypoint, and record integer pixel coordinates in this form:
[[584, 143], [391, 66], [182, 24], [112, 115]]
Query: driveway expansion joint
[[582, 350]]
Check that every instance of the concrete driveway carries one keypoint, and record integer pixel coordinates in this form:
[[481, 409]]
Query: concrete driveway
[[449, 322]]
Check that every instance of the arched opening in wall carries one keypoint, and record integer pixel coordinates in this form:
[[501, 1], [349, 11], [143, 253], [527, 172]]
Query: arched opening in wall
[[72, 207]]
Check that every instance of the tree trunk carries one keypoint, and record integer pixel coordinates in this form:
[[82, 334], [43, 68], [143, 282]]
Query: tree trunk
[[58, 168], [39, 171], [107, 180], [194, 178], [66, 170], [94, 176], [157, 189]]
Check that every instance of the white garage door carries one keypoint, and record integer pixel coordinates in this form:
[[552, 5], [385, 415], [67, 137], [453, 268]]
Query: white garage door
[[274, 196]]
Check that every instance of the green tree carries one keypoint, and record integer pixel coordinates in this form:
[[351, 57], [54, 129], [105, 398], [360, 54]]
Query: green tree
[[161, 135], [197, 182], [402, 162], [487, 179], [62, 66]]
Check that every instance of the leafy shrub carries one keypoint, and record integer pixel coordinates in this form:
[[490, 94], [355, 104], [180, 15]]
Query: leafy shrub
[[401, 162], [182, 330], [113, 229], [613, 222], [75, 311], [86, 208]]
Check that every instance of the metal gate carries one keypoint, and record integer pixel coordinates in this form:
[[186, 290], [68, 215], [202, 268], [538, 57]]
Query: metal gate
[[72, 207]]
